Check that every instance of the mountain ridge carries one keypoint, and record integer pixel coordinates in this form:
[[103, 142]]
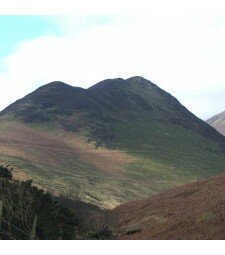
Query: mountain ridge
[[119, 139], [89, 99]]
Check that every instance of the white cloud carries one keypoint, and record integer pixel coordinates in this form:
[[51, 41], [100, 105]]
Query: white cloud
[[111, 7], [183, 55]]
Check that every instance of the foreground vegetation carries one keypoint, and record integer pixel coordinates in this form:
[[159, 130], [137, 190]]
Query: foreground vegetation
[[31, 213]]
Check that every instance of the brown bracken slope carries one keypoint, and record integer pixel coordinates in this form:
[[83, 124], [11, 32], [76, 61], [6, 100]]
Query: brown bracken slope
[[193, 211]]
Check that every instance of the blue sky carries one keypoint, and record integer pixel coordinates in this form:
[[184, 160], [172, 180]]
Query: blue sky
[[183, 54], [19, 28], [16, 29]]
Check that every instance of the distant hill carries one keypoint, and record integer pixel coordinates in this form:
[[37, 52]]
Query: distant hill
[[119, 140], [218, 122], [193, 211]]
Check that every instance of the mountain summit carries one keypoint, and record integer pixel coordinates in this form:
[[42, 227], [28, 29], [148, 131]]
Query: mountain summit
[[107, 105], [119, 139]]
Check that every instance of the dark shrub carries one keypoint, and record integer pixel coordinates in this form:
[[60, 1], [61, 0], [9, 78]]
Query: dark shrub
[[5, 173]]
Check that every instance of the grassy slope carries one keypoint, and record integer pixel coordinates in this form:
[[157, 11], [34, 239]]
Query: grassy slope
[[168, 154], [56, 162], [164, 145], [193, 211]]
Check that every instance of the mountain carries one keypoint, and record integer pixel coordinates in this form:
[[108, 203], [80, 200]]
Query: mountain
[[218, 122], [116, 141], [193, 211]]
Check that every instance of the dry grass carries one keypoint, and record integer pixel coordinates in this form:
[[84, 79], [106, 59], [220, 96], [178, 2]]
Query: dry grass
[[19, 140], [57, 160], [193, 211], [21, 175], [111, 161]]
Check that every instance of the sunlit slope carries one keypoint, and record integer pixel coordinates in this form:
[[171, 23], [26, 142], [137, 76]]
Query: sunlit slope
[[59, 160], [120, 140]]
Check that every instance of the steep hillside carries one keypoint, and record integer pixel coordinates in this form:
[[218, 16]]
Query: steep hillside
[[218, 122], [193, 211], [118, 140]]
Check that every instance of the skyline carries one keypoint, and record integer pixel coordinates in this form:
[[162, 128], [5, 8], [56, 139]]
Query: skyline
[[182, 55]]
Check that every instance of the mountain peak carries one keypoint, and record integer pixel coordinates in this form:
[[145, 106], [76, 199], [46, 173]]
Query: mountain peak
[[115, 83], [108, 83], [54, 84], [57, 83], [137, 78]]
